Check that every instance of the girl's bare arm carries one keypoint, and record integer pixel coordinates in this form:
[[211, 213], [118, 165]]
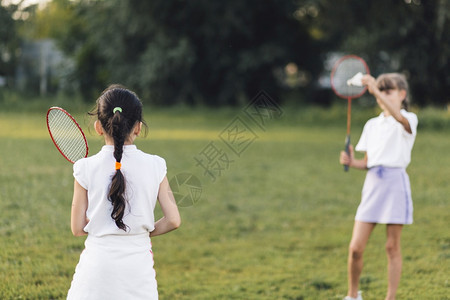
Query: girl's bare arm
[[392, 108], [171, 219], [78, 218], [346, 159]]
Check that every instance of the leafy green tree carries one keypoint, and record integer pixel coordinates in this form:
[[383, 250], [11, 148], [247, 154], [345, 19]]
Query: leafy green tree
[[208, 52], [224, 52], [67, 23]]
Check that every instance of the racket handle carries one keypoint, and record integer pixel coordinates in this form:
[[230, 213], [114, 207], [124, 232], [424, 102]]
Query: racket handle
[[347, 150]]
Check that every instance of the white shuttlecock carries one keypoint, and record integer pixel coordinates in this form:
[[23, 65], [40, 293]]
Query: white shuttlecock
[[356, 80]]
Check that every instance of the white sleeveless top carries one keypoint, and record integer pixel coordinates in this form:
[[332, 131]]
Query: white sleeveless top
[[143, 174]]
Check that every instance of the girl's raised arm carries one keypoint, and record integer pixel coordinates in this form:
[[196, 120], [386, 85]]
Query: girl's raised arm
[[171, 219], [391, 107]]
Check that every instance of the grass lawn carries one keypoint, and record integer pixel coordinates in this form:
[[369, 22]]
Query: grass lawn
[[273, 222]]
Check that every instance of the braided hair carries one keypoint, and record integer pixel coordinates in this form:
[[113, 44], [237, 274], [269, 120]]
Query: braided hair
[[118, 110]]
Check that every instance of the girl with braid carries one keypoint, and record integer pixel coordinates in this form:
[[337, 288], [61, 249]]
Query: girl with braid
[[115, 193]]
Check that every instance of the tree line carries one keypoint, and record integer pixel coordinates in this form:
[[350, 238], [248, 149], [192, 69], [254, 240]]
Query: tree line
[[224, 52]]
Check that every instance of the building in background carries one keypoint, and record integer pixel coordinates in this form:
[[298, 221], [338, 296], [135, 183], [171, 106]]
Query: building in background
[[42, 68]]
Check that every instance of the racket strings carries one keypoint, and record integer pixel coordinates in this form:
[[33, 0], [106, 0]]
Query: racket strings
[[346, 70], [66, 135]]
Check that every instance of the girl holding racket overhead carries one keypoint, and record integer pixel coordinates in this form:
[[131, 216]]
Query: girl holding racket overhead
[[115, 193], [387, 141]]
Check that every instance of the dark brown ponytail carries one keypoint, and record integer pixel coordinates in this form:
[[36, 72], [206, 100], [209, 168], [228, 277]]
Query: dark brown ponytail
[[117, 188], [118, 110]]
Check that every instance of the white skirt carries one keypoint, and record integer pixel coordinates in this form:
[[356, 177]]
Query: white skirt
[[115, 267], [386, 197]]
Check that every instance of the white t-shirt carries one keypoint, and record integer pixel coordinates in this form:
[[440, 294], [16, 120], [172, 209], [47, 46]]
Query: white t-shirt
[[386, 141], [143, 174]]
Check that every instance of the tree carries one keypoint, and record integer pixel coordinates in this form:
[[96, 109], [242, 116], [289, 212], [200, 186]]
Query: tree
[[208, 52], [224, 52], [66, 22]]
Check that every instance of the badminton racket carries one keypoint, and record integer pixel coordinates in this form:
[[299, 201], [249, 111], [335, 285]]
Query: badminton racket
[[66, 134], [346, 83]]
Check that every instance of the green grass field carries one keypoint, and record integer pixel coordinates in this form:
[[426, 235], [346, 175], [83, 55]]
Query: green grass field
[[275, 224]]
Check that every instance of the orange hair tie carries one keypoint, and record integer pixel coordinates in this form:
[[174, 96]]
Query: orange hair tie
[[118, 165]]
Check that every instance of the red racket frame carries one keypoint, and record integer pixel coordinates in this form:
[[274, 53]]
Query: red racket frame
[[76, 123]]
